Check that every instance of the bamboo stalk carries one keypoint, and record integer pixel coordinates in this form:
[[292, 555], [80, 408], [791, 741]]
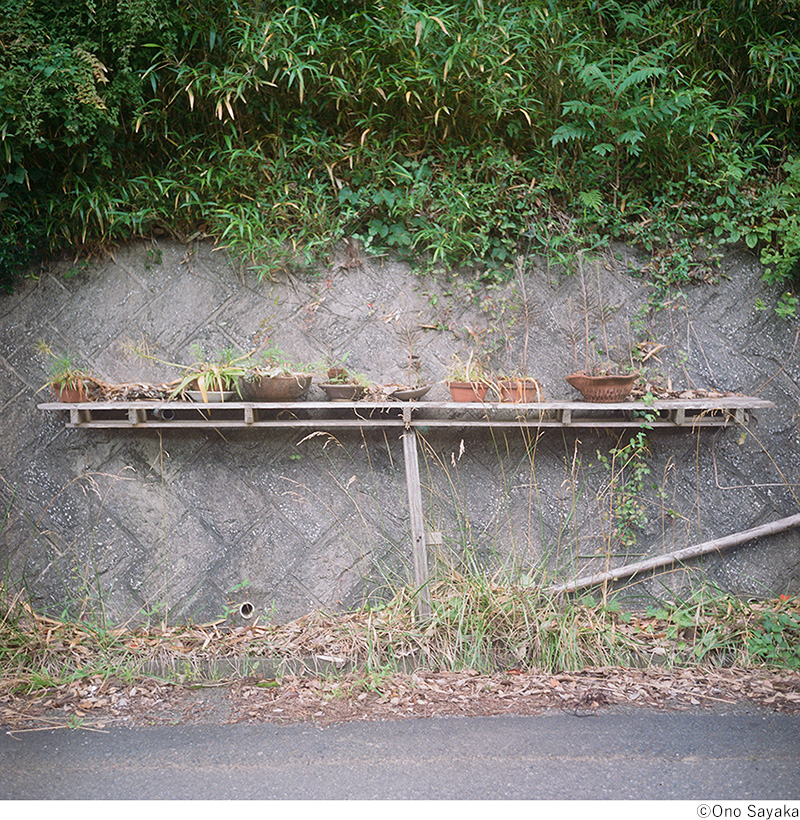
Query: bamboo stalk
[[685, 554]]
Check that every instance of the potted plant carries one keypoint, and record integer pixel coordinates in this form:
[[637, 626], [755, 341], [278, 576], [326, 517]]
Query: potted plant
[[413, 388], [601, 379], [517, 386], [599, 386], [274, 378], [341, 383], [467, 380], [68, 382], [336, 368], [212, 380]]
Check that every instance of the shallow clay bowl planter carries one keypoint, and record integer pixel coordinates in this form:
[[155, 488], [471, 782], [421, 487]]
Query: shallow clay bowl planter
[[411, 393], [343, 392], [606, 388], [276, 388], [468, 391], [524, 391]]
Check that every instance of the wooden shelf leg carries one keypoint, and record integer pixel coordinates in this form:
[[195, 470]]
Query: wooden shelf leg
[[418, 546], [136, 416], [79, 416]]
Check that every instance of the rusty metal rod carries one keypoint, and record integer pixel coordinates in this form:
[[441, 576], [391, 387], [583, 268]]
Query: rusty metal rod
[[715, 545]]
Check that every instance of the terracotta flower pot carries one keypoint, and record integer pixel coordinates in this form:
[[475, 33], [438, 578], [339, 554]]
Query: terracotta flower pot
[[606, 388], [468, 391], [71, 392], [525, 391]]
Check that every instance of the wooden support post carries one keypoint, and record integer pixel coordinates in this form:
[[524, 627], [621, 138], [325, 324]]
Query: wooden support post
[[136, 416], [418, 546], [79, 416]]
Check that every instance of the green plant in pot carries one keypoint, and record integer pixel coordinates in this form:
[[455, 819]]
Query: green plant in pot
[[343, 384], [215, 379], [468, 380], [275, 379], [67, 380], [334, 369]]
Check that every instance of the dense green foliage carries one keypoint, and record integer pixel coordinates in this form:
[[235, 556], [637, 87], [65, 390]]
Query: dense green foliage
[[458, 132]]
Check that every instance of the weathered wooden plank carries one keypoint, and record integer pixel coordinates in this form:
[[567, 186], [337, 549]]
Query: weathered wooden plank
[[730, 402], [418, 546], [567, 420], [136, 416], [687, 414], [238, 423], [570, 422]]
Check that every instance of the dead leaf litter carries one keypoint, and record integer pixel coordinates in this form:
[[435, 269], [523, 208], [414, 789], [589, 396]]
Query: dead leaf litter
[[98, 703]]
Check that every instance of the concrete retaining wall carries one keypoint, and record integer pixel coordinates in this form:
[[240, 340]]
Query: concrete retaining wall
[[193, 523]]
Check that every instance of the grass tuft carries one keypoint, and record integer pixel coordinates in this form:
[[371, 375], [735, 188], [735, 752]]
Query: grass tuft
[[476, 625]]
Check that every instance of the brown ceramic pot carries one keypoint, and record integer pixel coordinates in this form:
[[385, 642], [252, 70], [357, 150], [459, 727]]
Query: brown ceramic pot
[[343, 392], [606, 388], [71, 393], [276, 388]]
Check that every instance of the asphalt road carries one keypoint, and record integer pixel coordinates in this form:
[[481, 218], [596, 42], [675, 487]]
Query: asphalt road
[[639, 754]]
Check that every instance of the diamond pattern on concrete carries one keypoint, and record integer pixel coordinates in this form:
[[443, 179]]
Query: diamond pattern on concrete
[[323, 521]]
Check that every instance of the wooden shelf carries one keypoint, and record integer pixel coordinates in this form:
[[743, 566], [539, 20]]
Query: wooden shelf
[[408, 418], [672, 413]]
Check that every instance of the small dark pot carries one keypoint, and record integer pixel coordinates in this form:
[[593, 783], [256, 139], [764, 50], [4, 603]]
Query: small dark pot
[[343, 392], [412, 393]]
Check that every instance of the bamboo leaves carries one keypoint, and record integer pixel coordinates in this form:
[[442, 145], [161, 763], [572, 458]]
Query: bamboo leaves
[[213, 107]]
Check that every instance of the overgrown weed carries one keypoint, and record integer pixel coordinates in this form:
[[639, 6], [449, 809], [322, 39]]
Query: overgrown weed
[[476, 624]]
